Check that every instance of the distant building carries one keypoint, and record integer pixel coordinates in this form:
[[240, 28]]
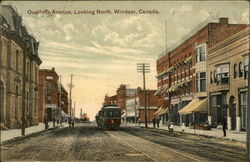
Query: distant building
[[64, 100], [181, 74], [19, 65], [110, 100], [135, 106], [122, 93], [48, 93], [227, 67]]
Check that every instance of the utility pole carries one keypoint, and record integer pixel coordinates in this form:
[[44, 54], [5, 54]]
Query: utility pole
[[24, 95], [60, 99], [248, 114], [144, 68], [70, 100], [135, 109]]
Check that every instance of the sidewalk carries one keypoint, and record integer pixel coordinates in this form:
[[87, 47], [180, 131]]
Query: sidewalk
[[15, 133], [218, 133]]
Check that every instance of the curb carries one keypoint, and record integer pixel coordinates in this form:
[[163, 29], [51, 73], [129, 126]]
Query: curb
[[202, 135], [19, 138]]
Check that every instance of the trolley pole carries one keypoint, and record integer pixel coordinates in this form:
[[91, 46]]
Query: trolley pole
[[248, 114], [144, 68]]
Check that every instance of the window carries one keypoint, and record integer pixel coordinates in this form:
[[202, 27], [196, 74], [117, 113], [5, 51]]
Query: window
[[211, 77], [17, 53], [235, 71], [200, 82], [215, 79], [222, 74], [243, 107], [246, 63], [49, 99], [200, 53], [49, 86], [49, 77], [240, 69]]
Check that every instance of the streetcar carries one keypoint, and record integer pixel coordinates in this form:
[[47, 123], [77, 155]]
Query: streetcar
[[109, 117]]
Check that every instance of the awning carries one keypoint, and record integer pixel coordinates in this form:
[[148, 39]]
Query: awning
[[162, 73], [158, 111], [195, 106], [157, 93], [164, 90], [188, 59], [164, 111], [123, 115]]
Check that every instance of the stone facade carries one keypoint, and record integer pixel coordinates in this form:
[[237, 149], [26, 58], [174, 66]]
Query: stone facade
[[227, 80], [19, 65], [181, 73]]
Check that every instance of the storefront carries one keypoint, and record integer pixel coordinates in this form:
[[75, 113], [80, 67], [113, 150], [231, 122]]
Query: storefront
[[243, 109], [218, 107]]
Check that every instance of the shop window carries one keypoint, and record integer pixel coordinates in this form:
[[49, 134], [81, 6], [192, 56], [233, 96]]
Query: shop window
[[243, 108], [200, 53], [222, 74]]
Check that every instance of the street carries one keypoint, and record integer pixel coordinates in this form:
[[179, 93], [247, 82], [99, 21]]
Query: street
[[85, 142]]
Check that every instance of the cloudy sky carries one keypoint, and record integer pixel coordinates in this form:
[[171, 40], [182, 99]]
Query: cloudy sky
[[102, 50]]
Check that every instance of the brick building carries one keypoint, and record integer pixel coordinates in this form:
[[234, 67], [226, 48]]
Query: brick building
[[110, 100], [48, 93], [135, 105], [64, 100], [227, 67], [19, 65], [122, 93], [182, 73]]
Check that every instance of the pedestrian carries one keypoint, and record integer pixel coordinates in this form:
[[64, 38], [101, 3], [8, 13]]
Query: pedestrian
[[158, 122], [54, 122], [46, 122], [73, 123], [154, 121], [57, 121], [224, 125], [139, 121], [69, 121]]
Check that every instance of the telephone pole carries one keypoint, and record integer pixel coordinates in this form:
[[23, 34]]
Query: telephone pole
[[70, 92], [144, 68], [60, 99]]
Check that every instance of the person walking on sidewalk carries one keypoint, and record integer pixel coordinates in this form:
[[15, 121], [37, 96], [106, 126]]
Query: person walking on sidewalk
[[154, 121], [158, 122], [224, 126], [46, 122]]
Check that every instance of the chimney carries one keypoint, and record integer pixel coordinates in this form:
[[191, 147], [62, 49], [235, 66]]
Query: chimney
[[223, 20], [53, 69]]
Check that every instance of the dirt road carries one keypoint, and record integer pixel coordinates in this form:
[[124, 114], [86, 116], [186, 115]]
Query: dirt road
[[86, 143]]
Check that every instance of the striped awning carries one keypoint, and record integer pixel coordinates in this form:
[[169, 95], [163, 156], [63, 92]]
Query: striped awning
[[195, 106], [164, 111], [165, 90], [158, 92], [158, 111], [188, 59]]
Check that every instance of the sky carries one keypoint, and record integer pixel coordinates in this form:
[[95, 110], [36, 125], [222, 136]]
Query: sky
[[102, 50]]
